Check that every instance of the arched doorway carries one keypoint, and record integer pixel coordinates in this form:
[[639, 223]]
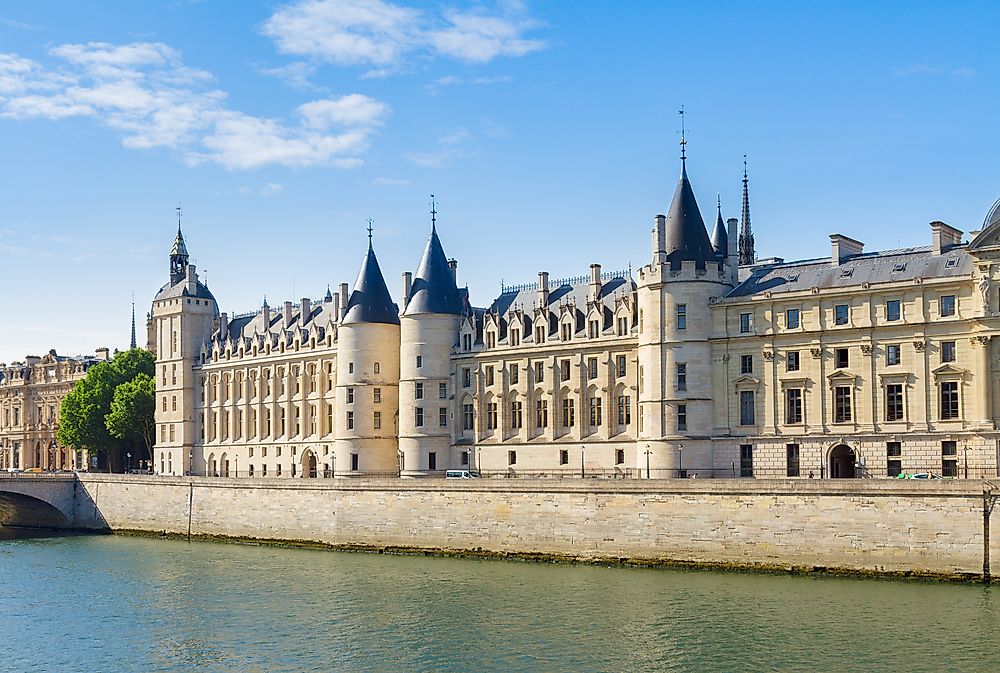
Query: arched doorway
[[842, 462], [223, 465], [309, 466], [210, 466]]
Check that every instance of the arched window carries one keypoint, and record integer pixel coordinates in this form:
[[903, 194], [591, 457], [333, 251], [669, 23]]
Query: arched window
[[376, 368]]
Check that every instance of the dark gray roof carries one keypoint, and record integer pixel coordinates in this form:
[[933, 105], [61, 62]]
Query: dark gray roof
[[180, 290], [434, 289], [179, 249], [687, 239], [572, 291], [370, 300], [875, 267], [720, 239]]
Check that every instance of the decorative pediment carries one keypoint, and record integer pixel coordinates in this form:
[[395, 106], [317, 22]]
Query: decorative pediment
[[895, 377], [841, 376], [799, 381], [948, 371], [746, 381]]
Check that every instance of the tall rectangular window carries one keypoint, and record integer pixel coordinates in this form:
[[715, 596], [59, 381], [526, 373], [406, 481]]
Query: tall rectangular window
[[355, 463], [624, 409], [893, 310], [792, 460], [418, 391], [949, 459], [418, 417], [468, 417], [514, 374], [442, 391], [682, 318], [377, 420], [515, 337], [746, 323], [563, 457], [682, 417], [466, 377], [592, 368], [541, 413], [792, 318], [682, 376], [512, 457], [747, 411], [622, 364], [949, 400], [539, 372], [892, 354], [792, 361], [947, 351], [894, 409], [841, 314], [564, 370], [595, 411], [516, 408], [841, 404], [947, 305], [746, 460], [491, 416], [746, 364], [377, 395], [489, 375], [443, 417], [350, 420], [350, 395], [568, 414], [793, 406], [841, 358], [432, 460], [893, 459]]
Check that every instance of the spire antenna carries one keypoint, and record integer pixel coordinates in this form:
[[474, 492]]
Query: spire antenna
[[133, 320], [683, 136], [434, 213], [370, 223], [747, 254], [179, 213]]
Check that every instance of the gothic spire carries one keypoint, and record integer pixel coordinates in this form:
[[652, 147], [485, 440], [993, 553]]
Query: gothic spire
[[434, 289], [133, 323], [686, 239], [746, 251], [178, 254], [720, 239]]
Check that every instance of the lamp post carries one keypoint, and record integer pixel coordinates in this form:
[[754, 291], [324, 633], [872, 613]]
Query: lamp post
[[128, 465], [399, 463], [333, 465], [479, 460], [236, 465], [965, 452], [191, 462], [648, 453], [583, 462], [680, 460]]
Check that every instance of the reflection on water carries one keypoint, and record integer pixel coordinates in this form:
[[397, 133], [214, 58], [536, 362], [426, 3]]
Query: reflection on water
[[129, 604]]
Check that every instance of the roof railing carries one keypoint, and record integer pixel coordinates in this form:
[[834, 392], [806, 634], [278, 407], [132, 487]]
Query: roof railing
[[560, 282]]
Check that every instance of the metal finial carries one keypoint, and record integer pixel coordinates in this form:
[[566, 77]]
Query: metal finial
[[718, 200], [683, 138], [179, 213], [744, 168], [434, 213], [370, 223]]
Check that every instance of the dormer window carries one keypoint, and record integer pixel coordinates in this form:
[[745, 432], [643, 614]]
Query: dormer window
[[567, 331], [899, 267], [846, 273], [515, 337], [951, 264]]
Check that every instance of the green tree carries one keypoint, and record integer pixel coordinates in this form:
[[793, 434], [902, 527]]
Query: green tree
[[132, 408]]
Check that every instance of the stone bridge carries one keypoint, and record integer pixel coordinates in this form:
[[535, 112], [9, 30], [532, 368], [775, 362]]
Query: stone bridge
[[46, 501]]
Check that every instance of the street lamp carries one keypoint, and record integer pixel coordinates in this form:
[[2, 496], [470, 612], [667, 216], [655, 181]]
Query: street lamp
[[333, 465], [236, 464], [965, 452], [583, 466], [648, 453], [129, 464], [680, 460]]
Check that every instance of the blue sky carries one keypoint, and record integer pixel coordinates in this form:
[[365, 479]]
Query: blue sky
[[548, 132]]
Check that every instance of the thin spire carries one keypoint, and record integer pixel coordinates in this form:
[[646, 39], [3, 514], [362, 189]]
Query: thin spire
[[746, 247], [683, 137], [179, 213], [434, 213], [370, 223], [133, 321]]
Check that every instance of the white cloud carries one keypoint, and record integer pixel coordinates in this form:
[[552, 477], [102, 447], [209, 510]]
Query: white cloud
[[391, 182], [450, 147], [380, 33], [296, 75], [455, 80], [272, 188], [146, 93]]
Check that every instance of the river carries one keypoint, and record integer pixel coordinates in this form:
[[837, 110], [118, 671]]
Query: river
[[120, 604]]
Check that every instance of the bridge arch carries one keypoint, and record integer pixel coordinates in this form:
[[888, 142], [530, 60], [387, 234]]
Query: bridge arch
[[18, 509]]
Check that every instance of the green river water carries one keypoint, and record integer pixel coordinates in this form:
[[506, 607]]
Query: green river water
[[121, 604]]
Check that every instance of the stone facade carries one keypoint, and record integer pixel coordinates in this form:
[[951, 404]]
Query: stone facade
[[30, 395], [857, 364]]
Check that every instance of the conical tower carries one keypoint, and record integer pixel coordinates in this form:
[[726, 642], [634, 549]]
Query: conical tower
[[430, 325], [747, 253], [368, 376], [720, 240]]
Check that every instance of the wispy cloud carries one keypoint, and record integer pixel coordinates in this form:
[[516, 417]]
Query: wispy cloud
[[296, 75], [145, 92], [456, 80], [924, 70], [450, 147], [381, 34], [390, 182]]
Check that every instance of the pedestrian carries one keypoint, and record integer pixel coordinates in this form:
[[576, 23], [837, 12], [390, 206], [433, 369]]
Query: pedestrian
[[810, 474]]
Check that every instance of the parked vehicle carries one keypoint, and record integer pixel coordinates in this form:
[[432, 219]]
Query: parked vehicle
[[461, 474]]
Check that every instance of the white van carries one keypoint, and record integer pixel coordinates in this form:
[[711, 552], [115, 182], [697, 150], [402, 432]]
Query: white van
[[461, 474]]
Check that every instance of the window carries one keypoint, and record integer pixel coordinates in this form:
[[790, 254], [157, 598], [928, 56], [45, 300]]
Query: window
[[592, 368], [539, 334], [747, 416], [894, 402], [893, 310], [893, 464], [350, 420], [949, 459], [350, 368], [418, 417], [377, 395], [491, 416], [949, 400], [682, 417], [792, 318], [842, 404], [593, 329], [350, 395], [514, 374], [624, 409], [442, 391], [682, 318], [432, 460], [467, 342], [568, 414], [563, 457], [595, 411], [619, 456], [564, 370], [791, 460], [841, 358], [512, 457], [792, 361], [682, 376], [468, 417], [466, 377], [418, 391], [567, 331], [622, 365], [515, 337], [377, 420], [841, 313], [746, 323], [947, 305], [746, 364], [376, 368], [947, 351], [746, 460], [892, 354], [539, 372], [793, 406], [491, 339], [489, 375], [541, 413], [622, 326], [355, 463], [277, 470], [465, 458], [420, 361], [515, 414]]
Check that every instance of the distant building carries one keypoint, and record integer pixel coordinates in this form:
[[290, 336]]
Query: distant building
[[707, 361], [30, 395]]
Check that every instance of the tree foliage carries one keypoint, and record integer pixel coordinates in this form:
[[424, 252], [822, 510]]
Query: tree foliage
[[132, 408], [83, 413]]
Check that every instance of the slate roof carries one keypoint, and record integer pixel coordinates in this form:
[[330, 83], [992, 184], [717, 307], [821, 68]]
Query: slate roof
[[686, 236], [370, 300], [180, 248], [434, 289], [720, 239], [320, 313], [570, 291], [888, 266], [179, 289]]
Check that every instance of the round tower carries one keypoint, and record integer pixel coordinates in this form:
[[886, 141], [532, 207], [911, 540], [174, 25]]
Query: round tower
[[430, 325], [675, 323], [367, 403]]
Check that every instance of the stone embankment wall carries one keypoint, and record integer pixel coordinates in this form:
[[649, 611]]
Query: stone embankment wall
[[933, 528]]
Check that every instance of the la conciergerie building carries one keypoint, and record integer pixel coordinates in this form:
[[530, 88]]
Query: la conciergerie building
[[706, 362]]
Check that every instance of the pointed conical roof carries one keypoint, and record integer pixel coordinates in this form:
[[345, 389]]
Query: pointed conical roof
[[687, 239], [720, 239], [434, 289], [370, 300], [180, 248]]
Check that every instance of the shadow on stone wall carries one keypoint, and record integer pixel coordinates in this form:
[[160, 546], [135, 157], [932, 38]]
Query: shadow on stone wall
[[24, 511]]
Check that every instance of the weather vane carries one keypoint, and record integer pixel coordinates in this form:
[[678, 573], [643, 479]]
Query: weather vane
[[434, 212], [370, 223], [683, 139], [179, 212]]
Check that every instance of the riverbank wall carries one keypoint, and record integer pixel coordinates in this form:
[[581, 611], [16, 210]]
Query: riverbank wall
[[858, 526]]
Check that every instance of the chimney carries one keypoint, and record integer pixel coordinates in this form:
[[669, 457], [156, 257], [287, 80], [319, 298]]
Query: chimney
[[343, 300], [733, 253], [843, 247], [944, 236], [306, 309], [543, 289], [407, 286], [660, 239], [453, 265], [104, 353], [287, 313], [191, 279], [336, 307], [224, 325], [267, 316], [595, 282]]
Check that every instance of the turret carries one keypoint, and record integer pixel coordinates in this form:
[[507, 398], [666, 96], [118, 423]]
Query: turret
[[430, 326], [368, 376], [178, 257], [720, 239]]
